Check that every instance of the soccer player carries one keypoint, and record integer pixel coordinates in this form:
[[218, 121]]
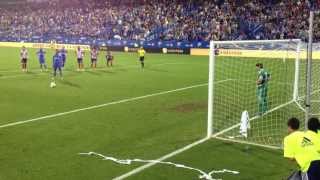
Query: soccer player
[[262, 88], [57, 64], [302, 148], [41, 56], [109, 58], [64, 56], [141, 53], [312, 135], [94, 57], [314, 126], [80, 55], [24, 58]]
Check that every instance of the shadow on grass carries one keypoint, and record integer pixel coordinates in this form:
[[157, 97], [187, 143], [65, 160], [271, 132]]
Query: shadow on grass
[[108, 71], [94, 72], [68, 83], [155, 69]]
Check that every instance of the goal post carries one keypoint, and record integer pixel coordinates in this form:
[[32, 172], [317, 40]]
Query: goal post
[[233, 89]]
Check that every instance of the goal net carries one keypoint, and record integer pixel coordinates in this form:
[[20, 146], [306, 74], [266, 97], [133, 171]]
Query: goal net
[[254, 87]]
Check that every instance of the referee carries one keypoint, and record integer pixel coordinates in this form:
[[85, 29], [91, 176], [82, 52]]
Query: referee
[[141, 53]]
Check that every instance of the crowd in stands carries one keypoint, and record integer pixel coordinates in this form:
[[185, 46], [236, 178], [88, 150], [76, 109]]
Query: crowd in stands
[[190, 20]]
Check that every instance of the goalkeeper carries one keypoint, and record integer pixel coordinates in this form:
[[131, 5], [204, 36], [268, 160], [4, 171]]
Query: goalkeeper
[[262, 88]]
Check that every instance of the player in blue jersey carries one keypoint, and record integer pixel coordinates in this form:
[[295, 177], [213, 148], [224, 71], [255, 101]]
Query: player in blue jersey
[[57, 63], [63, 55], [41, 56]]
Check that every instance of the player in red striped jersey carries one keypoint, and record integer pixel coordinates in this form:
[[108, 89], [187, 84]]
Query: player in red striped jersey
[[94, 57], [109, 58], [80, 55], [24, 58]]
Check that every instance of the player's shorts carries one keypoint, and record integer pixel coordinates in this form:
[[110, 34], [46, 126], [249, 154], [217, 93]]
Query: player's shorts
[[24, 60], [80, 60], [93, 60], [142, 58], [109, 59], [314, 170], [64, 59], [262, 91], [42, 61], [57, 67]]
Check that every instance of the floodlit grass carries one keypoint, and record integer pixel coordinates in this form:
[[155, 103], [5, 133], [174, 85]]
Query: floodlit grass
[[145, 128]]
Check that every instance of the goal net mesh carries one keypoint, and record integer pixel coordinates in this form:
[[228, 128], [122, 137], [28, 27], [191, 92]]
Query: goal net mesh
[[248, 109]]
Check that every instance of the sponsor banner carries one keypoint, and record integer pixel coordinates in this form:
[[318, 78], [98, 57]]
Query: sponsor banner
[[254, 53], [149, 50], [159, 50], [15, 44], [175, 51], [59, 46], [54, 45], [131, 49]]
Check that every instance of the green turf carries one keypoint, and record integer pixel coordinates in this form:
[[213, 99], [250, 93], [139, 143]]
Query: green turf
[[146, 128]]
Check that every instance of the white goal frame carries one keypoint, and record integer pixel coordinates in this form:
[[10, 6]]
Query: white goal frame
[[212, 58]]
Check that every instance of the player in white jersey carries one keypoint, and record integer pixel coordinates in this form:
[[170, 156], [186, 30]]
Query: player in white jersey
[[94, 57], [80, 55], [24, 58]]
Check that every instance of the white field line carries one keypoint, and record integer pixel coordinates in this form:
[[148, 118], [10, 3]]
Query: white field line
[[39, 73], [106, 104], [141, 168]]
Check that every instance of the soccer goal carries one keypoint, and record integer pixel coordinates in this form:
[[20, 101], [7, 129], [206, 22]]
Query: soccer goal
[[264, 83]]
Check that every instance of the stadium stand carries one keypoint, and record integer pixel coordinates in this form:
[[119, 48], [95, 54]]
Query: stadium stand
[[178, 20]]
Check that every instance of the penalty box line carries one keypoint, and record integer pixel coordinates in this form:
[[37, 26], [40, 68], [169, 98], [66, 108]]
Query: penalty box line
[[214, 136], [104, 105]]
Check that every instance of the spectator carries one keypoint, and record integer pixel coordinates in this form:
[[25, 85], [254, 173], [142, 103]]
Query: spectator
[[180, 20]]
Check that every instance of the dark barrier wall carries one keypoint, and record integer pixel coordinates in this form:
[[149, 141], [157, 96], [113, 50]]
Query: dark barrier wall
[[148, 49]]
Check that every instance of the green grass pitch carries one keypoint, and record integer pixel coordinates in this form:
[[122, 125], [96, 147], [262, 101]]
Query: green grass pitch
[[145, 128]]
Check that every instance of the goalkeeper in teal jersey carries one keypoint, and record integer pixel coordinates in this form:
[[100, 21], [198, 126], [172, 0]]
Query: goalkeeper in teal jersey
[[262, 88]]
